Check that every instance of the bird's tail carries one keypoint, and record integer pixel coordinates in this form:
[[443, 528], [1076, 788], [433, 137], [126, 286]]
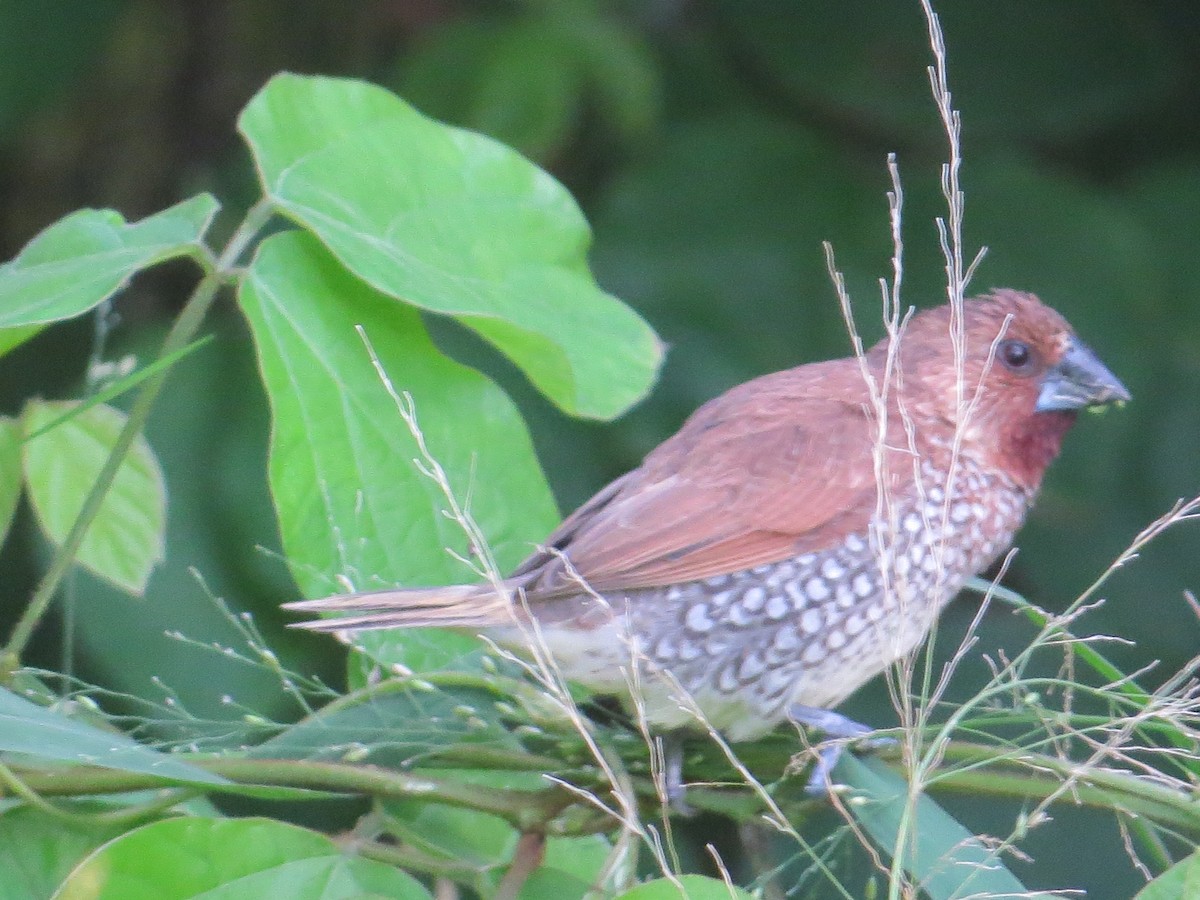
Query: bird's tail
[[457, 606]]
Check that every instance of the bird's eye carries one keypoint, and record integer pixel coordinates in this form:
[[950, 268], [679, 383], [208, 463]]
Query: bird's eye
[[1015, 355]]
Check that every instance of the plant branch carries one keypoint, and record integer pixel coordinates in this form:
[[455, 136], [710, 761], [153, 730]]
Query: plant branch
[[217, 272], [968, 769], [525, 810], [411, 859]]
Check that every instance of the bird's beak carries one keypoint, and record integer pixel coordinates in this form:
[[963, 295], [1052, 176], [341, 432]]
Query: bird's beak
[[1079, 380]]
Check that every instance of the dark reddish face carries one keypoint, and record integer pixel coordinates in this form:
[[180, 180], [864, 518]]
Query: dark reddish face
[[1015, 388]]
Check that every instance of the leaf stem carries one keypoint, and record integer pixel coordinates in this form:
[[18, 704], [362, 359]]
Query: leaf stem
[[217, 272]]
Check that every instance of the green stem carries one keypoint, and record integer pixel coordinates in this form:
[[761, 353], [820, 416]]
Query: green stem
[[122, 817], [410, 859], [1102, 788], [968, 769], [180, 335], [525, 810]]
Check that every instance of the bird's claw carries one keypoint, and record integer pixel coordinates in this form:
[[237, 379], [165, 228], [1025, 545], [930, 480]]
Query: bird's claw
[[839, 731]]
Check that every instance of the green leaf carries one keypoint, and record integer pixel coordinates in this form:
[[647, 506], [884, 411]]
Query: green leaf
[[685, 887], [83, 259], [945, 859], [569, 869], [454, 223], [1181, 880], [126, 539], [37, 851], [11, 338], [231, 859], [10, 472], [351, 501], [480, 840], [37, 731], [393, 723]]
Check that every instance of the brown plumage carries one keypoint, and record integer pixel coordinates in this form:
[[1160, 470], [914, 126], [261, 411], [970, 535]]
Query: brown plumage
[[786, 544]]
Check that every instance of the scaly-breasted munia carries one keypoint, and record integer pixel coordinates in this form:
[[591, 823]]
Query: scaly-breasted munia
[[798, 534]]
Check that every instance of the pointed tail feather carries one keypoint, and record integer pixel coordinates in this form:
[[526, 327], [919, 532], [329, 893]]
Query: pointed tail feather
[[457, 606]]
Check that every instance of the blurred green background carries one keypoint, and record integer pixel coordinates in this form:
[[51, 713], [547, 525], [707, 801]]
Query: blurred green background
[[714, 145]]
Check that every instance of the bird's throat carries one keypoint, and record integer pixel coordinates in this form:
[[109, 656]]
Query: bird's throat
[[1033, 443]]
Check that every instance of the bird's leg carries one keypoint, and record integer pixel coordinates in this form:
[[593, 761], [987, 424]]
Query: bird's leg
[[837, 729], [675, 789]]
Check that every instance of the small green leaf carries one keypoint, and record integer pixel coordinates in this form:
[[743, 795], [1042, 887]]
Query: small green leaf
[[232, 859], [1181, 880], [83, 259], [61, 465], [10, 472], [350, 498], [945, 859], [38, 731], [455, 223], [37, 851], [685, 887]]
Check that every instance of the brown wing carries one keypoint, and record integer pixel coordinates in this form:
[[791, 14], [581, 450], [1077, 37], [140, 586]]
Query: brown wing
[[776, 467]]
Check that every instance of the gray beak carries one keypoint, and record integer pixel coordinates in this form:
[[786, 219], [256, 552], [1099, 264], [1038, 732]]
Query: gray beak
[[1079, 380]]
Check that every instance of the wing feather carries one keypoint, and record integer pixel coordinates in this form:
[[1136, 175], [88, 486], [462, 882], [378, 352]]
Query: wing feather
[[777, 467]]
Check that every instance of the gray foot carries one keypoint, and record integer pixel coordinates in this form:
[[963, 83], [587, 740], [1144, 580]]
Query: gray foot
[[839, 730]]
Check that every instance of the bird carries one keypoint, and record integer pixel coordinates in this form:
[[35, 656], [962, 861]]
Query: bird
[[796, 536]]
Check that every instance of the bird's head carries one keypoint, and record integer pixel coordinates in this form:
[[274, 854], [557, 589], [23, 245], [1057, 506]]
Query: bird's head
[[1015, 387]]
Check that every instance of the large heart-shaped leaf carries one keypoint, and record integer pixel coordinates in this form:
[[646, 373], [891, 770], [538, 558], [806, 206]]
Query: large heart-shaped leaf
[[351, 500], [455, 223]]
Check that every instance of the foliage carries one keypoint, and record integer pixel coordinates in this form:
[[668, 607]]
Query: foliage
[[400, 280]]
